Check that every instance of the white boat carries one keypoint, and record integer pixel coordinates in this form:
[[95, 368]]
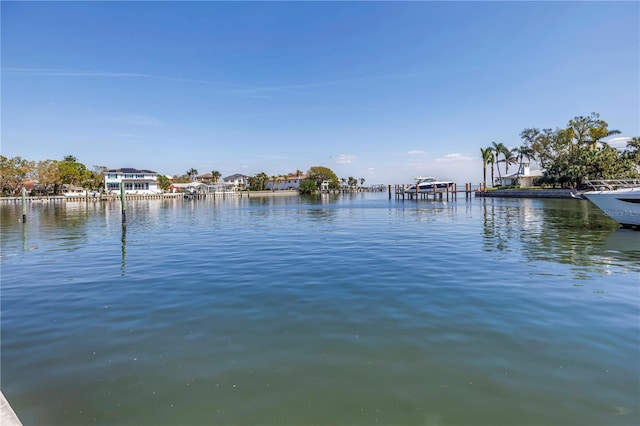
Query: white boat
[[617, 198], [428, 184]]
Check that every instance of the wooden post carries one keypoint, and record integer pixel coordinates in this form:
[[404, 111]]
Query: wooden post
[[24, 205], [389, 191], [123, 203]]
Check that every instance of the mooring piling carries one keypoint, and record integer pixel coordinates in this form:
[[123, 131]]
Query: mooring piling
[[123, 204]]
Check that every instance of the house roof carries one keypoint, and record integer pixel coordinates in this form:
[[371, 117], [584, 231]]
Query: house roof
[[129, 170], [236, 176]]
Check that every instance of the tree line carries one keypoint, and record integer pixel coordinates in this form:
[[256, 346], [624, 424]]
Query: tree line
[[566, 156], [52, 175], [315, 176]]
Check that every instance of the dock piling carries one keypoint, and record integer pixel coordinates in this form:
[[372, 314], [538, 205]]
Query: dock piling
[[24, 205], [123, 204]]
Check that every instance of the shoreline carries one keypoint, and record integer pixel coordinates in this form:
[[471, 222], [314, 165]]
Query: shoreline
[[528, 193], [505, 193]]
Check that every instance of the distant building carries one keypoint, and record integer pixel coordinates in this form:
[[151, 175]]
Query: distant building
[[237, 180], [135, 181], [204, 178], [288, 182], [524, 177]]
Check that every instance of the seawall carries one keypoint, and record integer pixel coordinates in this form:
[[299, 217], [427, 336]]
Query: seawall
[[527, 193]]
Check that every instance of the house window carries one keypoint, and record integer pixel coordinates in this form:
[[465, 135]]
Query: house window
[[112, 176], [113, 186], [128, 186]]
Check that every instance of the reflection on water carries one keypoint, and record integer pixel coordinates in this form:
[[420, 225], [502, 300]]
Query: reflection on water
[[123, 239], [564, 231], [320, 310]]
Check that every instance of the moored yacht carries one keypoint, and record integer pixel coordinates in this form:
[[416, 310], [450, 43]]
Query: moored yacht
[[428, 184], [617, 198]]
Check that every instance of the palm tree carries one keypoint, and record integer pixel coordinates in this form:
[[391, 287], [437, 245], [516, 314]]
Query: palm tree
[[192, 173], [499, 148], [509, 158], [361, 181], [487, 154], [633, 149], [215, 176], [524, 151], [492, 161], [598, 134]]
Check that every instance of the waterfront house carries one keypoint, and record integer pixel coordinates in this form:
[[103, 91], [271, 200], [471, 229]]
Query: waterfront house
[[285, 182], [69, 190], [524, 177], [237, 180], [205, 178], [135, 181]]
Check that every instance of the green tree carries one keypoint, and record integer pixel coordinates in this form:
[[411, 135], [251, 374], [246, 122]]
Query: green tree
[[362, 180], [499, 148], [72, 172], [163, 182], [13, 172], [48, 176], [192, 173], [487, 156], [258, 182], [215, 176], [523, 152], [510, 157], [320, 174], [308, 186], [633, 150]]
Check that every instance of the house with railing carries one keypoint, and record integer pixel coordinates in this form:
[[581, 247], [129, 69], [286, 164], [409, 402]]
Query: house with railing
[[135, 181], [285, 182], [238, 181]]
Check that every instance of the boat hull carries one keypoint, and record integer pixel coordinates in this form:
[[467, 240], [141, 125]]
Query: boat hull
[[429, 187], [621, 205]]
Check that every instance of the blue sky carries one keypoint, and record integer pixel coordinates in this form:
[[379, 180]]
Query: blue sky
[[383, 91]]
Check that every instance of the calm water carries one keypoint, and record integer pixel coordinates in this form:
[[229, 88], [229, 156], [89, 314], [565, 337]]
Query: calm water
[[339, 310]]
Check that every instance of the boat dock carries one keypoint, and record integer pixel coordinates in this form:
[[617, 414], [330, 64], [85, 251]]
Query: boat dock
[[450, 191], [116, 197]]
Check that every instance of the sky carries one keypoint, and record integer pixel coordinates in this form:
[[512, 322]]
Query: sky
[[384, 91]]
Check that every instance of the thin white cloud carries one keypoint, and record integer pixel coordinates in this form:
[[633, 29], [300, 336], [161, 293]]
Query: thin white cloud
[[618, 142], [416, 152], [230, 87], [346, 159], [108, 74], [455, 157]]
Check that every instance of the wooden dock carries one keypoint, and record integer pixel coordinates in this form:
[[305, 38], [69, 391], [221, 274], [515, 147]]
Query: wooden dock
[[116, 197], [450, 192]]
